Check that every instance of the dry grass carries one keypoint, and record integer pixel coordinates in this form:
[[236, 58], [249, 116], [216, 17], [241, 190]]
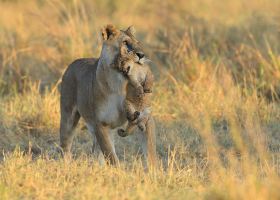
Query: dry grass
[[216, 99]]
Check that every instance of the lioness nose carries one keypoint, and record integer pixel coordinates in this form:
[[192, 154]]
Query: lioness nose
[[140, 55]]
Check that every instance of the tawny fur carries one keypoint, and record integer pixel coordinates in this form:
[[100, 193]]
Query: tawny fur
[[138, 98], [93, 89]]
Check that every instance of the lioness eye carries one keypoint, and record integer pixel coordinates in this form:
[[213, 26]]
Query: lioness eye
[[128, 46]]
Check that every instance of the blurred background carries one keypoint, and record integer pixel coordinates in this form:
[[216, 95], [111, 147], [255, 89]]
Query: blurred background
[[217, 90], [40, 38]]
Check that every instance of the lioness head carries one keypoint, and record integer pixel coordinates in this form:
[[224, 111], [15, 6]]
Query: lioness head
[[120, 42]]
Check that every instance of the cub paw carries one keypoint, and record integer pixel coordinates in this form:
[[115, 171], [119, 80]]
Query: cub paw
[[122, 133], [142, 127], [140, 91], [136, 115], [148, 90], [130, 117], [133, 116]]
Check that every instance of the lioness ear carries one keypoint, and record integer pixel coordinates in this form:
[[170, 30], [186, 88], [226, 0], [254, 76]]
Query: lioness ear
[[109, 32], [130, 30]]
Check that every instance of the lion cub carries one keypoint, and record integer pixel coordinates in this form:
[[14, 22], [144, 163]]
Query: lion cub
[[139, 91]]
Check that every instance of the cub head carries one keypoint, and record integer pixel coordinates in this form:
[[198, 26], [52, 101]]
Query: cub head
[[120, 43]]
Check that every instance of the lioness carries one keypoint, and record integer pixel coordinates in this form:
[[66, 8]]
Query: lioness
[[93, 89], [138, 98]]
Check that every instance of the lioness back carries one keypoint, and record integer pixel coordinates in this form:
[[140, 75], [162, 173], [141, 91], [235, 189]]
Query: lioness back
[[77, 79], [78, 67]]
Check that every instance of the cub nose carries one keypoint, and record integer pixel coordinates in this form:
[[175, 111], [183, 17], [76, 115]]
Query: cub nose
[[140, 55]]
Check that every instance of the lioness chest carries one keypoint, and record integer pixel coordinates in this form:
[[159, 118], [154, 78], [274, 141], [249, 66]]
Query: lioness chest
[[111, 112]]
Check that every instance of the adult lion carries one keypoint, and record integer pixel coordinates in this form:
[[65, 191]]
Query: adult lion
[[93, 89]]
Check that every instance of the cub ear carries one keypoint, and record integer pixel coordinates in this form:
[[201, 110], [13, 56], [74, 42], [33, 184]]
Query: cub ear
[[123, 50], [130, 31], [109, 32]]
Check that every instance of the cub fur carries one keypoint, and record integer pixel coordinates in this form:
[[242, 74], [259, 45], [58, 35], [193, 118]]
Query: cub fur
[[138, 99]]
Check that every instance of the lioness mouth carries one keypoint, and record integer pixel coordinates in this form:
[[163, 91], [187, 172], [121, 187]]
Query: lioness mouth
[[142, 60]]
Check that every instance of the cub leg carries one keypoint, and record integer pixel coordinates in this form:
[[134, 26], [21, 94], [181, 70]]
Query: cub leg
[[131, 113], [143, 118], [130, 128]]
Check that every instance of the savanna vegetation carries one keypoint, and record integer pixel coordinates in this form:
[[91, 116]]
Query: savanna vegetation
[[216, 99]]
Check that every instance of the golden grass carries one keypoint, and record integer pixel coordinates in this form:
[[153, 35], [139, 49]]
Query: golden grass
[[216, 99]]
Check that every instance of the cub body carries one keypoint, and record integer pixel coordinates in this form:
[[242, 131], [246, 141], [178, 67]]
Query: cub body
[[139, 92]]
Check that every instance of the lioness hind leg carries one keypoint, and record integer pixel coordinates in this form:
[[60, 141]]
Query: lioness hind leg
[[68, 123]]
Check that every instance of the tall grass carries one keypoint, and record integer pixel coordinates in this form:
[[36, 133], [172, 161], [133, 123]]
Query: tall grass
[[216, 99]]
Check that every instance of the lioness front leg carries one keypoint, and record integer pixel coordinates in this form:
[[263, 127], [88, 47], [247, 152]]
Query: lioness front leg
[[106, 144], [149, 142]]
